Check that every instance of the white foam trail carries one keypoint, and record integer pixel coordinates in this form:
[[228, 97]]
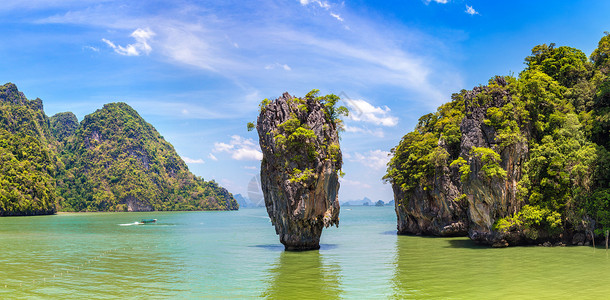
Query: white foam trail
[[129, 224]]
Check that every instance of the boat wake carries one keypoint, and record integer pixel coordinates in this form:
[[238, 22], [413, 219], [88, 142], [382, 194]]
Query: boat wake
[[130, 224]]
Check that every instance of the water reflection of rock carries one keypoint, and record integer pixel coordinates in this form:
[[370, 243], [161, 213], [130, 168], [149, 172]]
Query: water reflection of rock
[[303, 275], [442, 268]]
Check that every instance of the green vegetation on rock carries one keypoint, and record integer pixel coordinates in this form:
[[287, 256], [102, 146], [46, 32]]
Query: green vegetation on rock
[[112, 161], [118, 162], [557, 110], [294, 136]]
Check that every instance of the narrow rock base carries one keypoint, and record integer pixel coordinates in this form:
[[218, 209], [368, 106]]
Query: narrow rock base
[[302, 241]]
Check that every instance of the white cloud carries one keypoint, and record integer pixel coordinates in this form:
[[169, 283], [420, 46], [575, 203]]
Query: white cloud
[[181, 110], [353, 129], [375, 159], [240, 148], [322, 4], [212, 157], [94, 49], [110, 44], [336, 16], [142, 37], [354, 183], [278, 65], [360, 110], [378, 63], [471, 11], [250, 168], [326, 6], [437, 1], [192, 161]]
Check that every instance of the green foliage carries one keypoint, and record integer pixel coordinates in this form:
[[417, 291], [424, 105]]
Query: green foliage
[[461, 198], [27, 185], [411, 165], [560, 167], [508, 119], [294, 137], [491, 163], [542, 97], [418, 154], [303, 107], [302, 176], [250, 126], [264, 104], [564, 64], [28, 161], [334, 152], [63, 125], [296, 142], [463, 167], [292, 134], [332, 111], [534, 221], [600, 56]]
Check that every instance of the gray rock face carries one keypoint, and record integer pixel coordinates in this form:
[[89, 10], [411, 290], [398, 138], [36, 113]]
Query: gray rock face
[[301, 159], [433, 211], [455, 208], [490, 199]]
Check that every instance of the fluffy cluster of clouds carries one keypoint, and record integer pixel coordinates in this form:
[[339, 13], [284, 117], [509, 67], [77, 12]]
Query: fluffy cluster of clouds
[[374, 159], [239, 148], [363, 111], [189, 160]]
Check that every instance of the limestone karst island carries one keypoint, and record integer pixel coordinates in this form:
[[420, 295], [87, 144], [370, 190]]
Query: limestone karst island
[[301, 164], [111, 161], [304, 149]]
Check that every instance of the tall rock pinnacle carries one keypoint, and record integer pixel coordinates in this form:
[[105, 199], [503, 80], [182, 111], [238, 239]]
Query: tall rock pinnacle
[[300, 166]]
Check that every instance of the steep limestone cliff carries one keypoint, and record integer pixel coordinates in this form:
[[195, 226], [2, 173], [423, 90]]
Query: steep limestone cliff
[[299, 170], [438, 214], [490, 196], [467, 179]]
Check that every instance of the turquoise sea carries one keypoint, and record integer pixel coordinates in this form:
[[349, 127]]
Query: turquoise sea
[[195, 255]]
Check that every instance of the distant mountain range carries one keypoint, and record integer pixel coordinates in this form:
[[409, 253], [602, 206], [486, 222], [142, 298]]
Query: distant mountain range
[[365, 202], [245, 202]]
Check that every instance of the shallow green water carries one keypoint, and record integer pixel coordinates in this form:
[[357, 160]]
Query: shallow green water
[[237, 255]]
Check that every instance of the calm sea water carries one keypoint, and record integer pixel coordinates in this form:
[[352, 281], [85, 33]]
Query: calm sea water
[[237, 255]]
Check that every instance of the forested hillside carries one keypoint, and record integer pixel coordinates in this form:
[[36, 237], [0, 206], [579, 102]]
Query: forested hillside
[[519, 160], [112, 161], [28, 161], [116, 161]]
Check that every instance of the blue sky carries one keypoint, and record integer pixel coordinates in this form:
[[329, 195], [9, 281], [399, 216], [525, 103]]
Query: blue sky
[[197, 70]]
